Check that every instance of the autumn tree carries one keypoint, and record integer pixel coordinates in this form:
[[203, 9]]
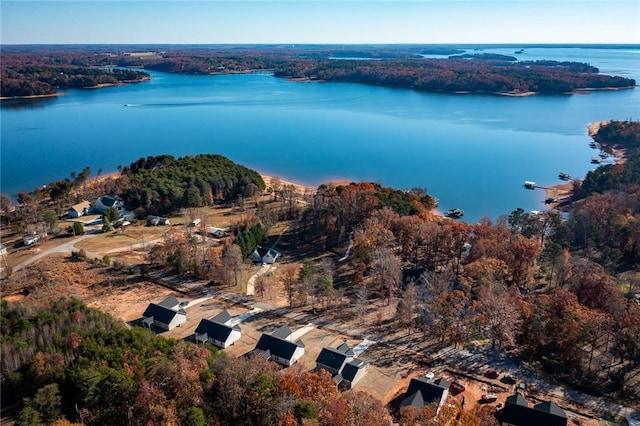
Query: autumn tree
[[290, 283], [231, 263], [386, 268], [499, 315]]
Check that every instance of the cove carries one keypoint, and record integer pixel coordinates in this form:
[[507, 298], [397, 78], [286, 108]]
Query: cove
[[470, 151]]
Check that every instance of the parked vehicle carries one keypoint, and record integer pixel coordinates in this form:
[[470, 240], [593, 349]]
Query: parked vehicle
[[456, 387], [488, 397], [430, 375], [492, 374], [509, 378]]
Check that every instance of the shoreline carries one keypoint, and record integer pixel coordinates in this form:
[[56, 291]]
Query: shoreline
[[51, 95], [56, 94], [562, 191]]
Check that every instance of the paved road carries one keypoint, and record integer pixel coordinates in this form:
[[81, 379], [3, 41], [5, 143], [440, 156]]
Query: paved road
[[67, 247]]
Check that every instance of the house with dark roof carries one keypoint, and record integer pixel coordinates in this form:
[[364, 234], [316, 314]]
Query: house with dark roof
[[422, 391], [170, 302], [517, 412], [218, 331], [106, 201], [280, 347], [341, 363], [264, 255], [413, 275], [79, 209], [166, 315], [352, 372]]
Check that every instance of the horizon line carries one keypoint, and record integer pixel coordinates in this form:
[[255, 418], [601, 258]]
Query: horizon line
[[293, 45]]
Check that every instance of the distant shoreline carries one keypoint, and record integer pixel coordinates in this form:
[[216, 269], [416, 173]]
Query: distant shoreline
[[51, 95]]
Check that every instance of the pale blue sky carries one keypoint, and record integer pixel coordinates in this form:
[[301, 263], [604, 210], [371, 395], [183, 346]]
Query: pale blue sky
[[339, 21]]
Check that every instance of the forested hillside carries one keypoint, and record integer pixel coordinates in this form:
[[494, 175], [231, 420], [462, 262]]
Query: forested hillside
[[45, 79], [479, 74], [164, 184], [25, 72]]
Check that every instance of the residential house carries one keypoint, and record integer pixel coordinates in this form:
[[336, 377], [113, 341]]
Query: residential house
[[341, 363], [3, 249], [264, 255], [422, 391], [106, 201], [170, 302], [280, 347], [413, 275], [166, 314], [352, 372], [517, 412], [218, 331], [79, 209], [157, 220]]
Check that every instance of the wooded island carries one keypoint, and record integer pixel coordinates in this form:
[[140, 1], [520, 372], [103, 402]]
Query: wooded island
[[40, 70]]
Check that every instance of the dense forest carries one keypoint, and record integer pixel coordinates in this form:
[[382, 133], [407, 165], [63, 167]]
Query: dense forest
[[475, 74], [164, 184], [33, 71], [76, 363], [47, 79]]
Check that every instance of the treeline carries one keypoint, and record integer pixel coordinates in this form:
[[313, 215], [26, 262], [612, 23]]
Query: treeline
[[337, 210], [163, 184], [604, 221], [397, 66], [36, 80], [75, 363], [454, 75]]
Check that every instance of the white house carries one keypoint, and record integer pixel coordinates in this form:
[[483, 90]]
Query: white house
[[279, 347], [218, 331], [264, 255], [79, 209], [342, 364], [106, 201], [352, 372], [423, 392], [166, 314]]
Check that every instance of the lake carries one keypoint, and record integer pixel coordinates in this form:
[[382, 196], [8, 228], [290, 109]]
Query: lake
[[470, 151]]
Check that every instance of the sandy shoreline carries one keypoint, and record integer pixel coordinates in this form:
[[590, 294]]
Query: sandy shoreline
[[51, 95], [562, 191]]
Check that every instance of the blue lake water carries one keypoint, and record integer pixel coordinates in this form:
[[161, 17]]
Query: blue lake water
[[470, 151]]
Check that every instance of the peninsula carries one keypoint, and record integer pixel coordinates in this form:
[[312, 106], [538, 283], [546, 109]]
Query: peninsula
[[42, 70]]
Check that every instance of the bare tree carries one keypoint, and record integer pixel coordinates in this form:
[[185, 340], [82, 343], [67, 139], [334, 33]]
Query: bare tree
[[290, 283], [276, 187], [499, 314], [387, 268], [231, 262], [362, 301], [407, 308]]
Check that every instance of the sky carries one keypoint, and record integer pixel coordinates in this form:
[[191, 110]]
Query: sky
[[319, 21]]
